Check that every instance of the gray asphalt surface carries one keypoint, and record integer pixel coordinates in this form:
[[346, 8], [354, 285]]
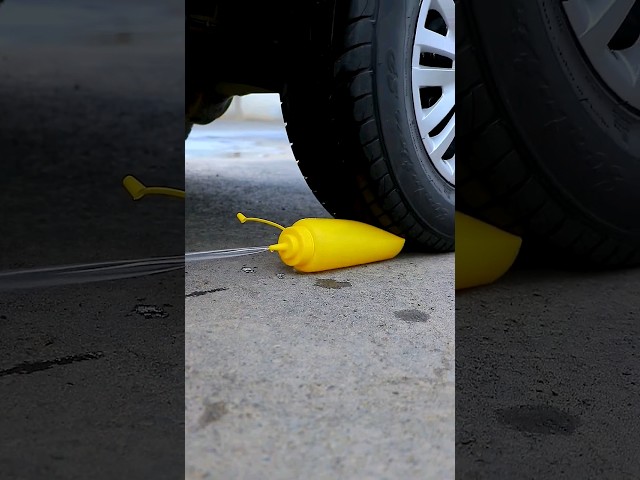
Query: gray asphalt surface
[[91, 376], [547, 377], [341, 374]]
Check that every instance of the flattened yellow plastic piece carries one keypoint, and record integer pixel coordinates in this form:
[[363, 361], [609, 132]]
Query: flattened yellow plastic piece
[[483, 253]]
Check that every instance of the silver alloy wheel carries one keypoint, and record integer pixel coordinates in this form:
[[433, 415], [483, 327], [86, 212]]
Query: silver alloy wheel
[[433, 83], [608, 33]]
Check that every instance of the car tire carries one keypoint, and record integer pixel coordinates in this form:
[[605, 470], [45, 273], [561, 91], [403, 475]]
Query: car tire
[[549, 151], [349, 111]]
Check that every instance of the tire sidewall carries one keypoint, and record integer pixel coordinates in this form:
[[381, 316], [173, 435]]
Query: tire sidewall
[[580, 143], [618, 122], [422, 186]]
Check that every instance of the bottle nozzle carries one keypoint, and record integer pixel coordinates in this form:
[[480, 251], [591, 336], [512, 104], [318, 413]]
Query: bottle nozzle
[[137, 189], [244, 219], [278, 247]]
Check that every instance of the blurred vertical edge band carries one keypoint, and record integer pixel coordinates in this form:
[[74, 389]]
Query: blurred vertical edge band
[[547, 371], [91, 376]]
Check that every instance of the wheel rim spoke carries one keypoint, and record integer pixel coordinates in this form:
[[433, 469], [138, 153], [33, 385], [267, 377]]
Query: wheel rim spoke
[[596, 23], [598, 20], [443, 140], [433, 42], [433, 77], [431, 117], [433, 80]]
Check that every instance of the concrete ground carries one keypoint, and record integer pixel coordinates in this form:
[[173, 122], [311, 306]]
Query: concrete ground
[[342, 374], [547, 382]]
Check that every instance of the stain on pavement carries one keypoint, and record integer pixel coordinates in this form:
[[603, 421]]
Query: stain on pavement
[[199, 293], [331, 283], [26, 368], [212, 413], [412, 315], [150, 311], [542, 419]]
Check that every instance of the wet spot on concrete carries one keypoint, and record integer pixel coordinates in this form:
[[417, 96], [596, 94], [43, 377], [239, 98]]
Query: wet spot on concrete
[[199, 293], [33, 367], [150, 311], [212, 413], [538, 419], [331, 283], [412, 315]]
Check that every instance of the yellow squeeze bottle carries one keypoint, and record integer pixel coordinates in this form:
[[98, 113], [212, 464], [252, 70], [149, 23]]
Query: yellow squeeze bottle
[[484, 253], [319, 244]]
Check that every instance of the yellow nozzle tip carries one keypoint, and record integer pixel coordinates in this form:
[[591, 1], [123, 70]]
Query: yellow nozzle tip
[[134, 187], [277, 247], [241, 217]]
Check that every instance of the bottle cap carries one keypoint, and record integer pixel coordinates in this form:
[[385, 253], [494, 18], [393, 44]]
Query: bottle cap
[[295, 244]]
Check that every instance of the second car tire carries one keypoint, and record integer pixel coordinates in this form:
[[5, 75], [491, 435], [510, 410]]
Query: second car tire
[[548, 152]]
